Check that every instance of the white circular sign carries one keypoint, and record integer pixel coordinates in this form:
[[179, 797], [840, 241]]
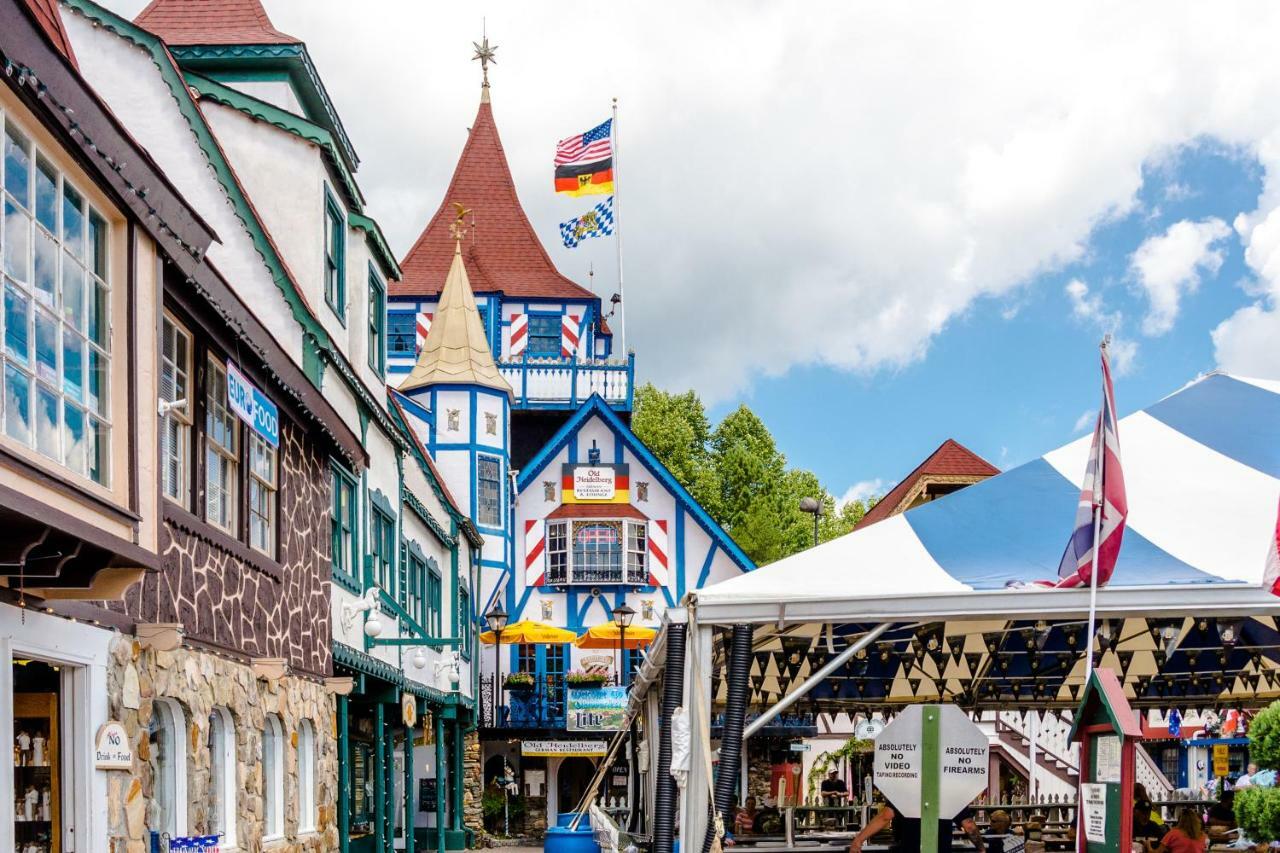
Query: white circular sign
[[962, 753], [868, 729]]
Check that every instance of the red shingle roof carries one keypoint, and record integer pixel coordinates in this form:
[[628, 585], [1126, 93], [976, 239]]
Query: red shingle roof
[[596, 511], [502, 253], [46, 15], [181, 22], [951, 459]]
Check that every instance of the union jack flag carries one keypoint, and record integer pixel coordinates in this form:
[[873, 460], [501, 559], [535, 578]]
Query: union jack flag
[[1103, 492], [1271, 577]]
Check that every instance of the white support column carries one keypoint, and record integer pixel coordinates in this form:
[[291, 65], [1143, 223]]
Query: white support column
[[697, 700]]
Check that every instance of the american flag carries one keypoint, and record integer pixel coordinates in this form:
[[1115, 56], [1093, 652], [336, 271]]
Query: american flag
[[1271, 577], [1103, 492], [590, 147]]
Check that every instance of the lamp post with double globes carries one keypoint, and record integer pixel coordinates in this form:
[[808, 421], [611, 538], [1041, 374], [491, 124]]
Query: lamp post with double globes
[[497, 619], [622, 616]]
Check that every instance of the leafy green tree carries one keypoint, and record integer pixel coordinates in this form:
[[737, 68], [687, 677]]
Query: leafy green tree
[[738, 475], [1258, 809], [676, 429]]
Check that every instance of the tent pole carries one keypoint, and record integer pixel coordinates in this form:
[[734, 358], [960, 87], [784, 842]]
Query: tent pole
[[738, 689], [664, 800], [696, 805], [815, 679]]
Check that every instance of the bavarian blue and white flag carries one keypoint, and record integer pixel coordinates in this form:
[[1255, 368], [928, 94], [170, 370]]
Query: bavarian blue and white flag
[[596, 222]]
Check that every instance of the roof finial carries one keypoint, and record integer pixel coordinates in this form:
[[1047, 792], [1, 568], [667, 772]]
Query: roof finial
[[485, 54], [458, 228]]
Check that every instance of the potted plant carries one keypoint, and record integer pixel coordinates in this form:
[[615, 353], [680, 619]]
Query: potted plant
[[581, 679], [519, 681]]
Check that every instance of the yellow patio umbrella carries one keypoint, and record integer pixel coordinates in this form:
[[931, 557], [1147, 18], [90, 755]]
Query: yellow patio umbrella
[[528, 632], [606, 636]]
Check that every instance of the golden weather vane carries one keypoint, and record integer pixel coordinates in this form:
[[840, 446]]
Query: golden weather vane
[[458, 228]]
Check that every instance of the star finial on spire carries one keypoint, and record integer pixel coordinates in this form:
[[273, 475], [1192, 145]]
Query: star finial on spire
[[485, 54]]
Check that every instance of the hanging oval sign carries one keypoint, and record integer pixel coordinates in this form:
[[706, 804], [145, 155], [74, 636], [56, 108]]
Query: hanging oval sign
[[408, 709]]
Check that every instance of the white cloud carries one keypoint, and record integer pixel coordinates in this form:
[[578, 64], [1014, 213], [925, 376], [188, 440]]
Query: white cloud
[[1246, 342], [1091, 309], [1086, 421], [794, 194], [862, 490], [1169, 265]]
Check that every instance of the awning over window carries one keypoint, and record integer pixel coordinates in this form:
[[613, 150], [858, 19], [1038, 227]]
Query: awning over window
[[52, 555], [596, 511]]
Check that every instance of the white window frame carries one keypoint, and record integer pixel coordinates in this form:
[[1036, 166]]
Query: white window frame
[[223, 747], [71, 325], [306, 777], [173, 779], [637, 532], [481, 519], [558, 530], [217, 406], [260, 486], [272, 779], [175, 450]]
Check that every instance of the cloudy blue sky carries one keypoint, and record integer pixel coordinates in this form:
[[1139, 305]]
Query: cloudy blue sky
[[880, 225]]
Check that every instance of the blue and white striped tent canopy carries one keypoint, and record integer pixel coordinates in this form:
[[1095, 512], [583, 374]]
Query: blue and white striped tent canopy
[[1202, 470]]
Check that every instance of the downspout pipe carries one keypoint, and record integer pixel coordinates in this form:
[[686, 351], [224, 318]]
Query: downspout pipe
[[664, 801], [738, 691]]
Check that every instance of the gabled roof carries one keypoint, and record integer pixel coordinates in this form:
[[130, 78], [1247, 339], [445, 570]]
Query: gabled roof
[[184, 22], [45, 13], [456, 351], [596, 406], [951, 459], [503, 253]]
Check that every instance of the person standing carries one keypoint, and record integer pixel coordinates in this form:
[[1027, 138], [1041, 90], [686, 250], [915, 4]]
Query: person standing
[[906, 831]]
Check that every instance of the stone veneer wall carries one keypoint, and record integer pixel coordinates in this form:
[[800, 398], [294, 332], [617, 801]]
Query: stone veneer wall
[[200, 681], [473, 786]]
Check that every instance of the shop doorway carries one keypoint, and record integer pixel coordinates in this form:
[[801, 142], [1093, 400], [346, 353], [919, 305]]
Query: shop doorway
[[572, 779], [37, 735]]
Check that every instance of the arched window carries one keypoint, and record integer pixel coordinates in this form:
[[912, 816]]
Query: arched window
[[222, 783], [169, 755], [306, 777], [273, 778]]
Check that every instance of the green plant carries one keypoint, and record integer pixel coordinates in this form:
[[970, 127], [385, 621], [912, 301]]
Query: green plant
[[519, 680], [584, 678], [1258, 809], [828, 760]]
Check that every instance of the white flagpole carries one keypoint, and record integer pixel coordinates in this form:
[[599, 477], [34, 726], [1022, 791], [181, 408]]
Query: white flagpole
[[617, 236], [1099, 497]]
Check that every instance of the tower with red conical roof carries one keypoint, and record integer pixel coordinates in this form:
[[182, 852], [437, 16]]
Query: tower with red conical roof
[[549, 335]]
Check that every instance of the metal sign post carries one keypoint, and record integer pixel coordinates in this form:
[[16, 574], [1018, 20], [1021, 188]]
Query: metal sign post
[[930, 763]]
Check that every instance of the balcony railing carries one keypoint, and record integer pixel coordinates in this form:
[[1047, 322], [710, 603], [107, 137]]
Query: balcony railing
[[562, 576], [565, 383], [539, 707]]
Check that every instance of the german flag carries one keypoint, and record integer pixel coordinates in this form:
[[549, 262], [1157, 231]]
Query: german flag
[[577, 179]]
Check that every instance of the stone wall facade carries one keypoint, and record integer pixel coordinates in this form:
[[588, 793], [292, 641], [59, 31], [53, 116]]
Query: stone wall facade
[[199, 681], [473, 786], [230, 597]]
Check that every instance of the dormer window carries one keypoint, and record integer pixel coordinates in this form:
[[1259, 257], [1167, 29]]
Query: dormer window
[[597, 550], [544, 336]]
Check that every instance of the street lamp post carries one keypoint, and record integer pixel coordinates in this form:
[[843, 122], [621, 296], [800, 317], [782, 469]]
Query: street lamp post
[[622, 616], [813, 506], [497, 619]]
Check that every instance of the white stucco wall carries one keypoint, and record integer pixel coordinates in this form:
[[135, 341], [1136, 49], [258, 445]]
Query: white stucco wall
[[129, 81]]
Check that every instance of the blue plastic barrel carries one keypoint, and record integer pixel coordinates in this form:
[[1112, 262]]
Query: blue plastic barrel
[[560, 839]]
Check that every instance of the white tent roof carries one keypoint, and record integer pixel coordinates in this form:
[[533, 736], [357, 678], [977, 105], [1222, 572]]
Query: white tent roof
[[1202, 470]]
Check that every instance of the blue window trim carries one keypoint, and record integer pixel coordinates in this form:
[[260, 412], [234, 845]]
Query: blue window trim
[[544, 315], [334, 210], [497, 461], [348, 580], [378, 354], [413, 320]]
